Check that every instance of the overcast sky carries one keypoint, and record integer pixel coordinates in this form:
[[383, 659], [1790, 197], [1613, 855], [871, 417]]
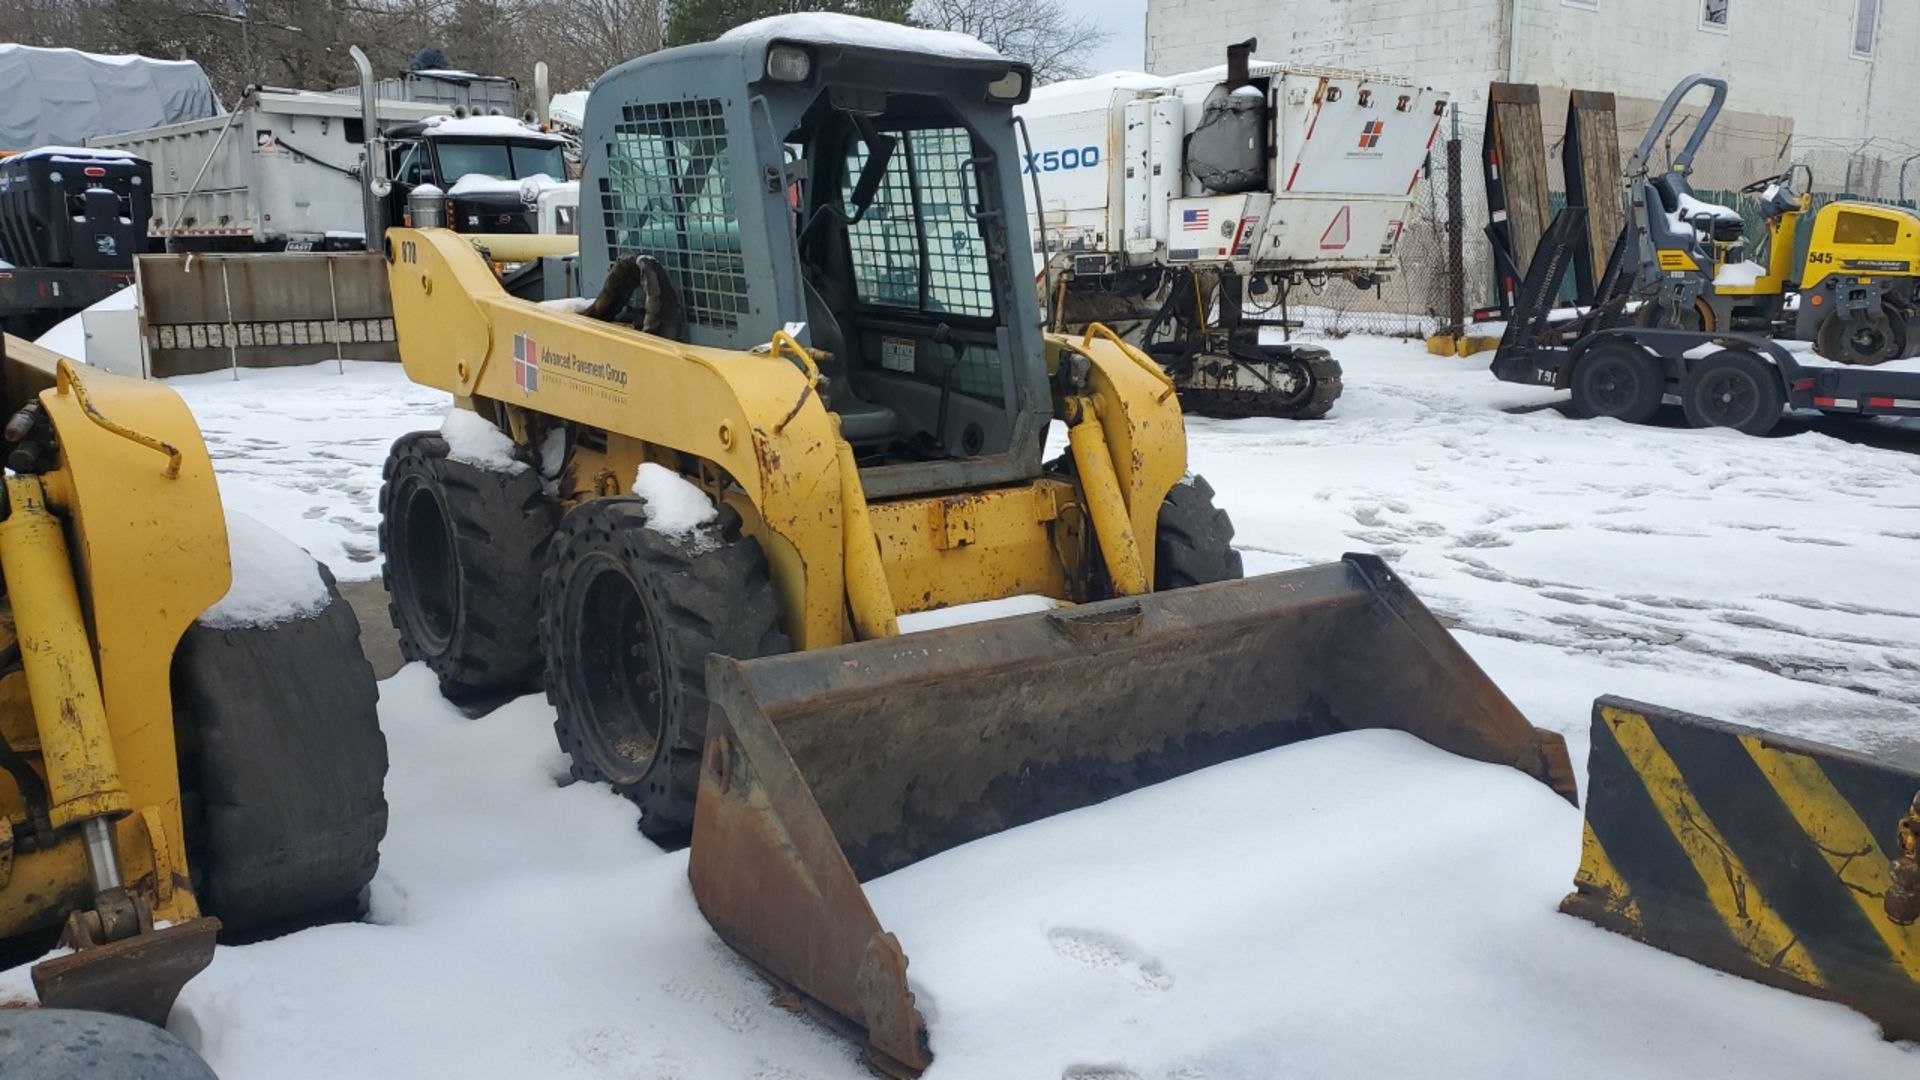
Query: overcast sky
[[1126, 49]]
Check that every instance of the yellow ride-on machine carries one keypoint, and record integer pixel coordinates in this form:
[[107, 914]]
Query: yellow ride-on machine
[[810, 397], [171, 763], [1842, 277]]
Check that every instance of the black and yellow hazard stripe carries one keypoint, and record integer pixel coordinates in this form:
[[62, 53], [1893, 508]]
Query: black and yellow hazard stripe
[[1762, 855]]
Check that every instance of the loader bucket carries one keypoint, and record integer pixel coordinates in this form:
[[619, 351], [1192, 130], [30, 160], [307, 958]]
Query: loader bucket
[[1766, 856], [824, 769]]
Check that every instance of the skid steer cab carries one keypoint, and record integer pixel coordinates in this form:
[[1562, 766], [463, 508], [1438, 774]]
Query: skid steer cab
[[1843, 276], [806, 397]]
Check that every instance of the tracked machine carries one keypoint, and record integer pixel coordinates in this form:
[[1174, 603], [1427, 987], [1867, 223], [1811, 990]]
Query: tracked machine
[[1186, 210]]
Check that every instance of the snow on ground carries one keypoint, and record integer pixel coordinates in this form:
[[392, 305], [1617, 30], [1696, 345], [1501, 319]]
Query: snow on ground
[[301, 448], [1270, 917], [68, 337]]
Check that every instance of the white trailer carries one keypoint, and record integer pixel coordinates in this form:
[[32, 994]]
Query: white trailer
[[1231, 185]]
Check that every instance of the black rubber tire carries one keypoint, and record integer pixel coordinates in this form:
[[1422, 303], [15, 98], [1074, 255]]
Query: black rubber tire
[[629, 616], [1863, 342], [1619, 380], [62, 1044], [1193, 543], [464, 548], [1733, 389], [282, 768], [1656, 316]]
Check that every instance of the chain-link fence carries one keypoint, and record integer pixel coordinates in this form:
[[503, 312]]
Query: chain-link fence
[[1415, 300]]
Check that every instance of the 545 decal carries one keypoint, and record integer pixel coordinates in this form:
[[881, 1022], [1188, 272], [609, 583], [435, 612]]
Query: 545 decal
[[1083, 157]]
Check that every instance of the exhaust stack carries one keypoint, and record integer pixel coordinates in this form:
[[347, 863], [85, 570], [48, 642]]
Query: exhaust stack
[[1239, 60], [374, 184]]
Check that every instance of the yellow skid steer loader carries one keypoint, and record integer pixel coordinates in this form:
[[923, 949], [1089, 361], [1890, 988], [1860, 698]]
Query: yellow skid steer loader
[[809, 397], [162, 771]]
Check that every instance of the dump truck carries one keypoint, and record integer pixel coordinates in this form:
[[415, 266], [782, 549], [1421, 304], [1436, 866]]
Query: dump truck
[[286, 171], [188, 744], [1184, 210], [695, 503]]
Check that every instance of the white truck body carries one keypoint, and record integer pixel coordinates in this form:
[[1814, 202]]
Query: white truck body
[[1345, 151], [264, 180]]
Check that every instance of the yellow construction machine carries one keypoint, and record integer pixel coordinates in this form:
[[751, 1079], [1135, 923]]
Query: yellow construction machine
[[808, 399], [1843, 276], [162, 772]]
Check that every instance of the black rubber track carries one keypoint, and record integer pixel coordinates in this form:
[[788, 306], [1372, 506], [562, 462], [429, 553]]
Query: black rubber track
[[283, 768], [498, 526], [1193, 544], [1321, 369], [694, 599]]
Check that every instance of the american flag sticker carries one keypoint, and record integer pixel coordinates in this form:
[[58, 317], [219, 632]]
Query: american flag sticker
[[1193, 220], [526, 363]]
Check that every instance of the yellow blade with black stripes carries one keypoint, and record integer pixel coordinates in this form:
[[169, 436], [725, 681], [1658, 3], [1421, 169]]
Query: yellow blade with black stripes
[[1763, 855]]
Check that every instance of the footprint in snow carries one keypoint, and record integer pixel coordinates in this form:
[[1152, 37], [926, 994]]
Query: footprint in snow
[[1098, 949], [1100, 1072]]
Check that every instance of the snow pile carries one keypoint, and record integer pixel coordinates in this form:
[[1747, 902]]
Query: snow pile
[[1110, 81], [76, 153], [1692, 210], [491, 126], [962, 614], [676, 508], [830, 28], [68, 337], [569, 108], [274, 579], [534, 186], [1740, 275], [473, 440]]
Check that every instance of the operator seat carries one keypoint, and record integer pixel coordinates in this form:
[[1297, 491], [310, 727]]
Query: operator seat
[[1671, 186], [862, 422]]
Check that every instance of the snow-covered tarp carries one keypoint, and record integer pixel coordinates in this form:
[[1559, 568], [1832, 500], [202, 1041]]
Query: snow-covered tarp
[[64, 96]]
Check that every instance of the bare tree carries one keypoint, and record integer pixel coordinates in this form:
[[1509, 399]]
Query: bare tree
[[1040, 32], [582, 39]]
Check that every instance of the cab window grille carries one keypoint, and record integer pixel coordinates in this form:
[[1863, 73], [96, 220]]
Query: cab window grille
[[918, 246], [668, 194]]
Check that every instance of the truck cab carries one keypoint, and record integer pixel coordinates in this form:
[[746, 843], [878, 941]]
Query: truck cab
[[493, 169]]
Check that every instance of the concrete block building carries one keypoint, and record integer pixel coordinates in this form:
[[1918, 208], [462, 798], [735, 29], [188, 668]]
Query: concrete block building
[[1829, 83]]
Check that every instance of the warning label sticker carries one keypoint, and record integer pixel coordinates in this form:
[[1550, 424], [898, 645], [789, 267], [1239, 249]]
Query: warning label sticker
[[897, 353]]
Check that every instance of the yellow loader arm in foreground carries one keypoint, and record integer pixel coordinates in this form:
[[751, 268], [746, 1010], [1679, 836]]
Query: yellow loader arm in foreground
[[130, 513]]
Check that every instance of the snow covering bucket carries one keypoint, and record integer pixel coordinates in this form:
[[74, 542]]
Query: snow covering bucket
[[824, 769], [1790, 862]]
